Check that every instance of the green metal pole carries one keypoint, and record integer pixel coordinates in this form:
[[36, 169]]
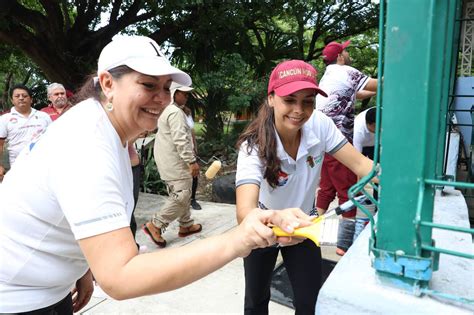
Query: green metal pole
[[414, 85]]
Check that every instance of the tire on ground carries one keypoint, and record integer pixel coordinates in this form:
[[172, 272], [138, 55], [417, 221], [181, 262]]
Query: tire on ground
[[223, 189]]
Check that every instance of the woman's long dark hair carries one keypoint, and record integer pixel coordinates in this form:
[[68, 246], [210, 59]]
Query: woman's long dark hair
[[260, 134], [91, 88]]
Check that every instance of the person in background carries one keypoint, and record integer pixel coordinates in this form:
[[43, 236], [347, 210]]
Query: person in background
[[364, 141], [343, 84], [181, 97], [364, 132], [58, 101], [177, 164], [278, 166], [70, 217], [21, 125]]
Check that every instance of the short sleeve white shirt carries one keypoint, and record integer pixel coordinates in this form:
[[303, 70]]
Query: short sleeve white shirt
[[297, 180], [73, 182], [19, 130], [341, 83], [362, 136]]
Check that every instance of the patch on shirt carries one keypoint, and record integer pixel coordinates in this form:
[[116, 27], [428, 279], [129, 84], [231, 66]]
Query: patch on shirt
[[36, 137], [13, 120], [32, 144], [313, 160], [282, 178]]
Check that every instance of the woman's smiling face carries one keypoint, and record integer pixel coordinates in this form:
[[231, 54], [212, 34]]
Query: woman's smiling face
[[292, 111], [138, 101]]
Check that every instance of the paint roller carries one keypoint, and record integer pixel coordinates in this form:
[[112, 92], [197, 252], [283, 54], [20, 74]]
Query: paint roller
[[213, 169]]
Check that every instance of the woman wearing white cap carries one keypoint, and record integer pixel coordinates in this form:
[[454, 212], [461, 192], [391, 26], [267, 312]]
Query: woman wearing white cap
[[66, 203], [279, 166]]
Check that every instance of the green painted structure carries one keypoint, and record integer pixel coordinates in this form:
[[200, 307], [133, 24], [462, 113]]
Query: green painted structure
[[417, 62]]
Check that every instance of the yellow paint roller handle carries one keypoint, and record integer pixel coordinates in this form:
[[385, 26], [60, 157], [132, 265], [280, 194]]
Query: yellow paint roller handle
[[311, 232], [280, 232]]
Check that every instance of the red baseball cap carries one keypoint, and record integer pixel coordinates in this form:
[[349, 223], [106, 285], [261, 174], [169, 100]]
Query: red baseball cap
[[333, 49], [291, 76]]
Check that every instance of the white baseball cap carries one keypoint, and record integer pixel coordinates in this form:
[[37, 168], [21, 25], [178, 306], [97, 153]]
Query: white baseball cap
[[176, 86], [141, 54]]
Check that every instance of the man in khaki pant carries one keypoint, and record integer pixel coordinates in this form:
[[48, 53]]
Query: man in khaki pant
[[177, 165]]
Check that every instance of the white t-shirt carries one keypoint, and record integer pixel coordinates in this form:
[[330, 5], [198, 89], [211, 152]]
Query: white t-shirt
[[74, 182], [19, 130], [297, 180], [341, 83], [190, 121], [362, 136]]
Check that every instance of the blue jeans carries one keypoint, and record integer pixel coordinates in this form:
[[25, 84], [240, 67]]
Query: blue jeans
[[345, 233]]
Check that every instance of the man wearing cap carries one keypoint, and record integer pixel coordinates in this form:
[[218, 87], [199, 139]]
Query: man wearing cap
[[58, 101], [343, 84], [177, 165]]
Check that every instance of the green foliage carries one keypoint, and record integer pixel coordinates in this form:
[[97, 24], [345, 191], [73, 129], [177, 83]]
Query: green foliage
[[364, 52], [151, 181], [229, 87], [15, 68], [223, 148], [228, 47]]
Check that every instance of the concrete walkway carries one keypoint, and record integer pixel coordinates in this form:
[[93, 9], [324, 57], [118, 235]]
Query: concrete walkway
[[222, 292]]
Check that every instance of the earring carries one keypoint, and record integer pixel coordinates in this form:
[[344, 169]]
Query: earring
[[109, 106]]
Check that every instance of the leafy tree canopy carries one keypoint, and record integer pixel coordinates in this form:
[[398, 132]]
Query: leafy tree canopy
[[226, 46]]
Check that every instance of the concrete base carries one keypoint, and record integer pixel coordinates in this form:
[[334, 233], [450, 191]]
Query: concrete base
[[354, 287]]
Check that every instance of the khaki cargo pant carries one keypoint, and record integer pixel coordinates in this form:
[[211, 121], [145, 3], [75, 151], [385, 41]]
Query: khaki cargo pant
[[177, 205]]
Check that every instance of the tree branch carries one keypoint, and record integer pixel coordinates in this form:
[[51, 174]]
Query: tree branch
[[67, 18], [55, 20], [80, 9], [115, 10], [13, 11], [256, 32], [90, 11]]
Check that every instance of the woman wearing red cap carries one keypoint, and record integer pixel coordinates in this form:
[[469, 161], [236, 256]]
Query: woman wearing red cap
[[73, 213], [278, 167]]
